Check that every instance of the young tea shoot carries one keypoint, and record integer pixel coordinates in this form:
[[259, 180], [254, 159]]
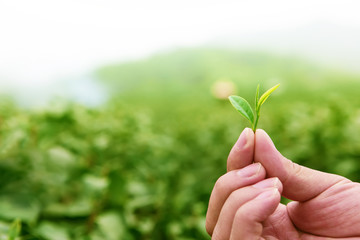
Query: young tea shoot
[[245, 109]]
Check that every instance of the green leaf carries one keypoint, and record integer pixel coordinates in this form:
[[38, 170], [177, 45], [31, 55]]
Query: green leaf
[[19, 206], [14, 230], [111, 225], [257, 97], [53, 231], [243, 107], [266, 95]]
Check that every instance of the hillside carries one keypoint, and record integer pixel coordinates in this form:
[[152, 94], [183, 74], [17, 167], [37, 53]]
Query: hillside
[[190, 72]]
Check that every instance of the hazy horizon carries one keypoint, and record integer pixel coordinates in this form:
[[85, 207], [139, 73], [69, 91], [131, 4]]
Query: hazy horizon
[[47, 45]]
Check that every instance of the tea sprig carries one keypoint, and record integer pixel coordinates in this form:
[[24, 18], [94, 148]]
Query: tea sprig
[[243, 106]]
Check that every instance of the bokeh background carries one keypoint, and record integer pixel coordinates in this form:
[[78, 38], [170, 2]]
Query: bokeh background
[[114, 122]]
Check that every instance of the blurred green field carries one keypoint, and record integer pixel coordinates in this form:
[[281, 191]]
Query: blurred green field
[[142, 166]]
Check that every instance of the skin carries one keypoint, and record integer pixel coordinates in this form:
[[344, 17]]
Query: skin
[[245, 202]]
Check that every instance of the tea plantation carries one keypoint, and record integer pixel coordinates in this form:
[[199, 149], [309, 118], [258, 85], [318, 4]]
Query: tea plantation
[[142, 166]]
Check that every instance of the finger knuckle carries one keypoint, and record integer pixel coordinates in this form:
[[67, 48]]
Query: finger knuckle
[[221, 185], [294, 172], [242, 216], [235, 196], [296, 169]]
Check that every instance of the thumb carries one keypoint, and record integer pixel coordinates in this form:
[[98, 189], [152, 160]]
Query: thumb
[[299, 183]]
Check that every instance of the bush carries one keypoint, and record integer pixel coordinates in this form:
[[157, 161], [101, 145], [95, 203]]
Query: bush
[[143, 165]]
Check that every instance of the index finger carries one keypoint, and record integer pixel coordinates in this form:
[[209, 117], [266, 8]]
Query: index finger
[[242, 153]]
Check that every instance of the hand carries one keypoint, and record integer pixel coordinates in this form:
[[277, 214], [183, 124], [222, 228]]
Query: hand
[[246, 205]]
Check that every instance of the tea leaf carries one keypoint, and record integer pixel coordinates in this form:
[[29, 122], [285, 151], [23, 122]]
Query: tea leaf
[[266, 95], [243, 107], [257, 98]]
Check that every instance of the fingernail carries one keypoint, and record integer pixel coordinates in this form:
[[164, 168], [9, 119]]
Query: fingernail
[[267, 194], [268, 183], [250, 170], [243, 138]]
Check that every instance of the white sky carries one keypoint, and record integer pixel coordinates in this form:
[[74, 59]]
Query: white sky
[[45, 40]]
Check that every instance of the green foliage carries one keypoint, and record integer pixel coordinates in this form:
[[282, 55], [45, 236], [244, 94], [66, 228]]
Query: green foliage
[[265, 96], [242, 106], [70, 172], [143, 165], [14, 230]]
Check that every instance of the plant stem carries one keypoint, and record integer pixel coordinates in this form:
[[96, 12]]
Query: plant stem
[[256, 120]]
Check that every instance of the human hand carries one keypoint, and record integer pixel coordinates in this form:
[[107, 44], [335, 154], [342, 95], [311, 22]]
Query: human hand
[[325, 206]]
